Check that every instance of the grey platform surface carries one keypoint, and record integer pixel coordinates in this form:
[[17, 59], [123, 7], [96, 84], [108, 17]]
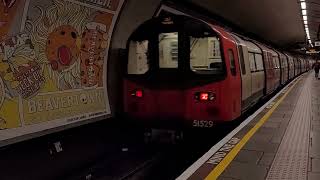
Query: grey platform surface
[[287, 146]]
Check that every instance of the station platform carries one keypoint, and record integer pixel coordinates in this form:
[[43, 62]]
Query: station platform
[[281, 140]]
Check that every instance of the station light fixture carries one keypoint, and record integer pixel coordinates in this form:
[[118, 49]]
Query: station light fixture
[[303, 4], [304, 12], [305, 20]]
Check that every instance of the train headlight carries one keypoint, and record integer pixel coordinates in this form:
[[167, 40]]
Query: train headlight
[[137, 93], [205, 96]]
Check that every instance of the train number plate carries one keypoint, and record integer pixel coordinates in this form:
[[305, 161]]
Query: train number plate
[[202, 123]]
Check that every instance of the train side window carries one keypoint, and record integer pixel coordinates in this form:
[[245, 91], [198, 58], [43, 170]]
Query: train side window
[[232, 62], [259, 62], [252, 62], [243, 66], [275, 62], [205, 55], [138, 57], [271, 62], [285, 62], [168, 50]]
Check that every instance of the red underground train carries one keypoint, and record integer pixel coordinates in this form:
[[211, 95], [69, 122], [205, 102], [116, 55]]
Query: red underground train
[[184, 72]]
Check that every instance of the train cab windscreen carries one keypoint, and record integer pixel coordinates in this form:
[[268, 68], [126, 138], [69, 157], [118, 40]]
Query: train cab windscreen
[[138, 59], [168, 50], [176, 47], [205, 56]]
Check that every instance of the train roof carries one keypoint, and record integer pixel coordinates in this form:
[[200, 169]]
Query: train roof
[[251, 46]]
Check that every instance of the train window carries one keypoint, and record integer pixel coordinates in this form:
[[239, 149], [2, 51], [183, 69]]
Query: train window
[[232, 62], [285, 62], [168, 50], [138, 58], [205, 55], [252, 62], [276, 62], [259, 62], [243, 66]]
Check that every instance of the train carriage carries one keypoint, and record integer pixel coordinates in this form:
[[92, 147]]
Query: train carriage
[[184, 72], [272, 69]]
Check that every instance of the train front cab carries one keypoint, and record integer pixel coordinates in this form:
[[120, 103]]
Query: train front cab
[[181, 72]]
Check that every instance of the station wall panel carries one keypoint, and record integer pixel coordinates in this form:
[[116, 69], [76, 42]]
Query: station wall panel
[[53, 63]]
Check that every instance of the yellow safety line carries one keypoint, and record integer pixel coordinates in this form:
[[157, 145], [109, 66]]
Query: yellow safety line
[[215, 173]]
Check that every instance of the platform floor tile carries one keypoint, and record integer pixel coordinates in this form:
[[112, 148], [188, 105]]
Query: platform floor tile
[[240, 171]]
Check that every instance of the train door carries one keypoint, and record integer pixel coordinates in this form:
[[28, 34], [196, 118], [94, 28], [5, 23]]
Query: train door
[[286, 68], [276, 69], [300, 66], [232, 84], [246, 78], [291, 68], [282, 66], [295, 62], [270, 73], [234, 78]]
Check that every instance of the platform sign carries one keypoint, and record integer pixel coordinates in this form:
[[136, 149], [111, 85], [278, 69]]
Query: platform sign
[[53, 57], [317, 43]]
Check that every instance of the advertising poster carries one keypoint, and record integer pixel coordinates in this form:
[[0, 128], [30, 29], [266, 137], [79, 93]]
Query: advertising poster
[[53, 57]]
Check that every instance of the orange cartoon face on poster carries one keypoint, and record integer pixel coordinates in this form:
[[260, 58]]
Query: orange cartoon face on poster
[[8, 10], [61, 49]]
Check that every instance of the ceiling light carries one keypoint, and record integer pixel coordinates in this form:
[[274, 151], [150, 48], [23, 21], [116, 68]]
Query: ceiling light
[[304, 12], [305, 22], [305, 18], [303, 5]]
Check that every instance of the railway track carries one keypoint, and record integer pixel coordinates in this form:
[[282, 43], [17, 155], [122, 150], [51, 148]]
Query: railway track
[[139, 171]]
